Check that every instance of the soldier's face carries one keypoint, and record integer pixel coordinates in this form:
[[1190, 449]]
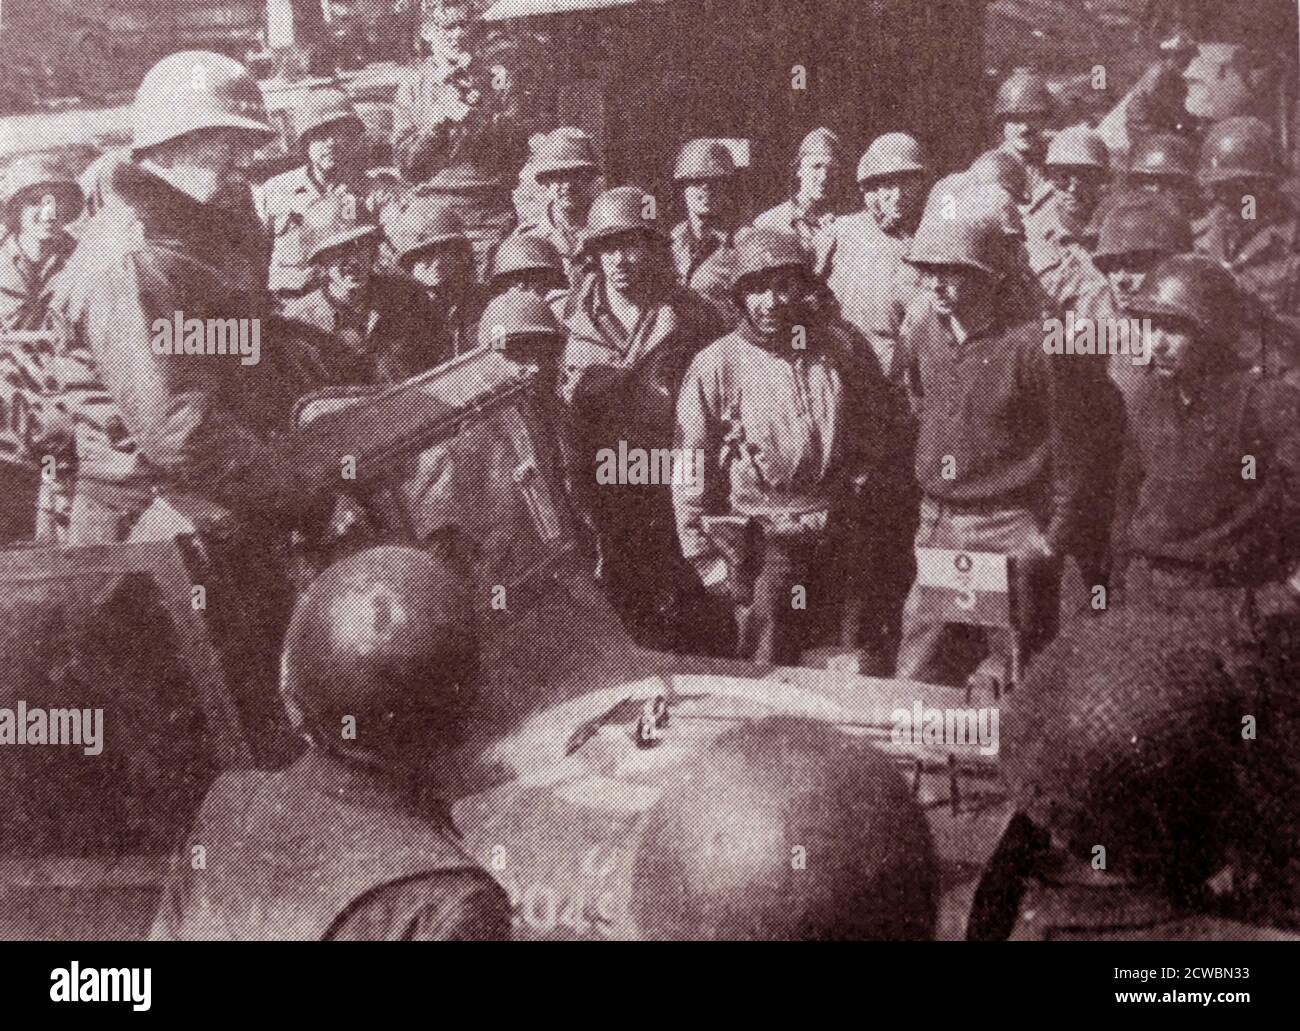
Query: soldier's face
[[570, 194], [1173, 351], [1234, 196], [1078, 189], [1023, 134], [702, 199], [43, 216], [440, 269], [348, 271], [772, 301], [814, 177], [331, 149], [896, 201], [1127, 272], [207, 162], [956, 289], [627, 262]]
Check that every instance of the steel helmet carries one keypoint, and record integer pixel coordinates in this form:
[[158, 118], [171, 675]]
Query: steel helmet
[[785, 829], [516, 314], [524, 252], [623, 209], [703, 159], [822, 142], [1004, 169], [766, 250], [1123, 736], [1078, 147], [970, 240], [385, 637], [1023, 93], [334, 222], [40, 175], [563, 151], [894, 153], [324, 108], [1191, 287], [1143, 223], [1238, 148], [426, 221], [194, 90], [1163, 154]]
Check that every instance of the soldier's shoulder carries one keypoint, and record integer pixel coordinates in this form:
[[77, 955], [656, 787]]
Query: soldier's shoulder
[[310, 308], [776, 217], [287, 182]]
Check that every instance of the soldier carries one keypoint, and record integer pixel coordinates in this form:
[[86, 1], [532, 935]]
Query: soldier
[[384, 326], [161, 245], [704, 242], [528, 263], [564, 165], [354, 840], [631, 333], [1249, 228], [1127, 761], [863, 260], [1165, 164], [457, 125], [994, 459], [430, 245], [1023, 111], [786, 405], [1056, 220], [811, 211], [39, 200], [329, 133], [1210, 490]]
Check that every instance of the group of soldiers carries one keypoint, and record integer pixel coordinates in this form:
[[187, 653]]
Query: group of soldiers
[[856, 383]]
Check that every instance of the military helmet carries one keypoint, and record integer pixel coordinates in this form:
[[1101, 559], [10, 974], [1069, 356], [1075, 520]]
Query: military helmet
[[624, 209], [195, 90], [1126, 735], [381, 655], [1236, 148], [38, 176], [516, 314], [564, 151], [325, 108], [1023, 93], [1004, 169], [822, 142], [524, 252], [1143, 223], [1163, 154], [424, 222], [1077, 147], [1188, 286], [767, 250], [894, 153], [334, 222], [970, 239], [703, 159], [786, 829]]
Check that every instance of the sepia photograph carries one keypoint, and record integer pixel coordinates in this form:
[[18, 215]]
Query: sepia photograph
[[721, 470]]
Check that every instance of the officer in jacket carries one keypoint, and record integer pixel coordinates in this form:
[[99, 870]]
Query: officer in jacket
[[704, 242], [354, 840]]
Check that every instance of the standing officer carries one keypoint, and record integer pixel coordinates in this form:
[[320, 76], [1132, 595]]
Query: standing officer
[[1126, 758], [1023, 111], [1056, 221], [779, 412], [564, 165], [457, 125], [430, 245], [528, 263], [863, 261], [631, 333], [39, 200], [1209, 508], [354, 840], [704, 242], [811, 211], [383, 326], [162, 244], [1249, 228], [329, 132], [995, 459]]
